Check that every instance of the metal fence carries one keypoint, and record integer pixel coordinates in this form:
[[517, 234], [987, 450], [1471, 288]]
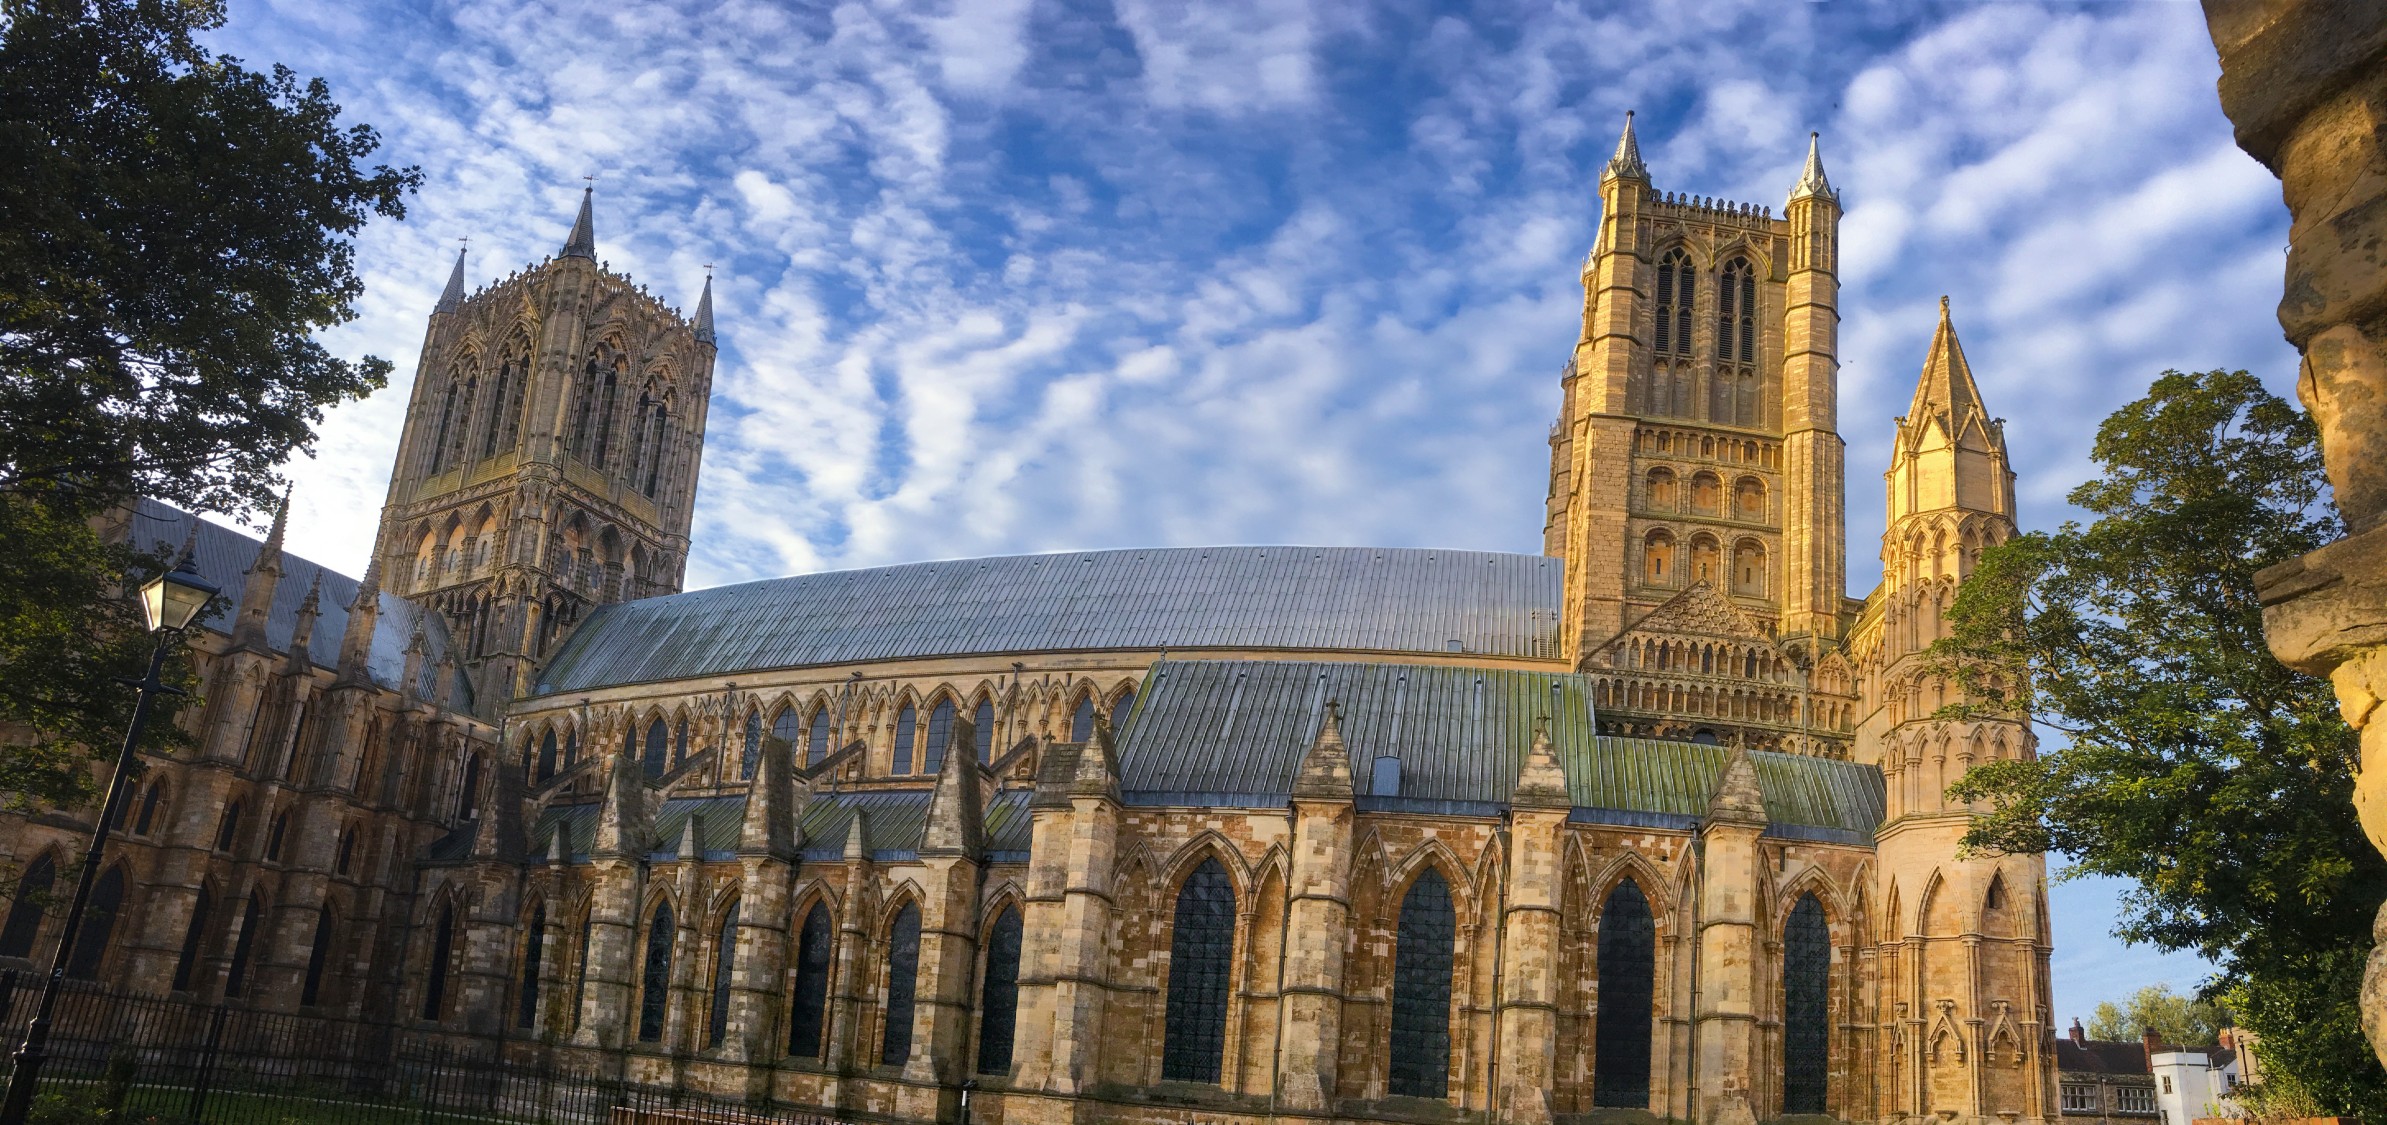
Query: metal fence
[[149, 1061]]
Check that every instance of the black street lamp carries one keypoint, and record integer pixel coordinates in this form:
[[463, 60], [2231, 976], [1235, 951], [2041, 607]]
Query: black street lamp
[[170, 601]]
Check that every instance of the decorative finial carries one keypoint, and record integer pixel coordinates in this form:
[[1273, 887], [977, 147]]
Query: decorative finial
[[1627, 161], [1812, 182]]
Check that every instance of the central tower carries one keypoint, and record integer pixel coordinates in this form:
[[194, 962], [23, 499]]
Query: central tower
[[549, 459]]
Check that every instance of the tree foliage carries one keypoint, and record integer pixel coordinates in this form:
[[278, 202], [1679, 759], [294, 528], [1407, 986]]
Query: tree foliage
[[2214, 778], [2181, 1021], [174, 228]]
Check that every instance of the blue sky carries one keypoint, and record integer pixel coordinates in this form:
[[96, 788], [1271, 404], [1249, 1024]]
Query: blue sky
[[1025, 275]]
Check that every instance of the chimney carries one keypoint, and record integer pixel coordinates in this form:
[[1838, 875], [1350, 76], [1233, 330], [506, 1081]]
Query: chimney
[[2079, 1038], [2148, 1039]]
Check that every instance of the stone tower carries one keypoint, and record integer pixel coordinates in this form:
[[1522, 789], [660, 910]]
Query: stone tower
[[549, 458], [1963, 1013], [1695, 470]]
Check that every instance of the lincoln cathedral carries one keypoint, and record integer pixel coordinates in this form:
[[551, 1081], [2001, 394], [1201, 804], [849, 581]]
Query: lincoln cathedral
[[1649, 825]]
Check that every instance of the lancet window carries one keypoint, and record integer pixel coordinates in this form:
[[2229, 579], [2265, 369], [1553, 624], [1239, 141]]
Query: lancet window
[[236, 978], [1081, 721], [903, 979], [435, 976], [24, 915], [907, 735], [658, 745], [940, 732], [752, 752], [1421, 977], [1627, 981], [654, 986], [187, 962], [319, 952], [534, 950], [725, 966], [1732, 400], [1201, 952], [804, 1020], [816, 748], [982, 723], [998, 995], [1806, 1008]]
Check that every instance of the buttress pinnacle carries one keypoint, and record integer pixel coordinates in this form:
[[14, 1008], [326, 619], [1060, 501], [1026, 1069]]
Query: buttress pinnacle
[[1812, 182]]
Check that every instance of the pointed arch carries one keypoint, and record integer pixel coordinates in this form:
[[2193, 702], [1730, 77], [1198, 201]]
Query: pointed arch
[[654, 982], [725, 967], [25, 914], [903, 980], [1806, 1007], [1626, 1012], [1425, 959], [998, 992], [1201, 961], [100, 913]]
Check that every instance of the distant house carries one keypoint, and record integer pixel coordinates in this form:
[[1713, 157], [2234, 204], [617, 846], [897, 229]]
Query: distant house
[[2201, 1083], [2105, 1080]]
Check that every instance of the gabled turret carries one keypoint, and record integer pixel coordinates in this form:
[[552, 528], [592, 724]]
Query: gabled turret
[[1737, 800], [621, 820], [302, 631], [1542, 783]]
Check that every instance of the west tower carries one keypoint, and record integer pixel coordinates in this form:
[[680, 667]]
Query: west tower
[[1696, 493], [549, 459]]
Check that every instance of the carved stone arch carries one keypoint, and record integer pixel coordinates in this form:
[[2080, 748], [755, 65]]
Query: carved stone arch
[[660, 892], [1996, 909], [1761, 264], [904, 891], [1430, 853], [1940, 908], [1944, 1043], [815, 891], [717, 905], [1371, 861], [1653, 883], [1189, 855]]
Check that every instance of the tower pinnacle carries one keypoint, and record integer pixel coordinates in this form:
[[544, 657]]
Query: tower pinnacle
[[1947, 386], [453, 297], [582, 243], [1812, 181], [1627, 161], [704, 312]]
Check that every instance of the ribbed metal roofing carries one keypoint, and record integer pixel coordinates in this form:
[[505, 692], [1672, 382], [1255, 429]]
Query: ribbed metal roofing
[[1347, 599], [892, 822], [1232, 733], [224, 557]]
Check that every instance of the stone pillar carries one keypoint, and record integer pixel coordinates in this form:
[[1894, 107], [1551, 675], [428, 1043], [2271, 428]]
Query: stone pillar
[[2305, 82], [1072, 949], [1724, 1024], [1813, 536], [1528, 1000], [952, 847], [767, 843], [845, 1052], [608, 1004], [1318, 927]]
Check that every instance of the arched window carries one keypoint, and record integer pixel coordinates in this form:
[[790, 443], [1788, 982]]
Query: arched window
[[1658, 567], [982, 729], [679, 742], [546, 755], [498, 420], [1627, 990], [468, 794], [588, 921], [940, 732], [443, 948], [456, 454], [654, 986], [1707, 494], [1806, 1007], [1121, 708], [657, 745], [1675, 296], [751, 756], [998, 994], [25, 914], [187, 962], [1081, 722], [1201, 950], [1748, 500], [1748, 568], [236, 978], [534, 956], [274, 834], [903, 979], [783, 737], [228, 830], [816, 738], [347, 851], [1732, 401], [605, 398], [813, 948], [319, 953], [99, 924], [571, 748], [447, 421], [725, 967], [1659, 493], [149, 805], [1421, 971], [1707, 560], [907, 734]]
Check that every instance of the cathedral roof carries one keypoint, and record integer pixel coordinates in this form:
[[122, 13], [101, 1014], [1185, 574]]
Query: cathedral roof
[[224, 557], [1340, 599]]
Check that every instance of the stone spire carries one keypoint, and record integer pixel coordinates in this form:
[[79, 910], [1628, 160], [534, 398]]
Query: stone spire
[[855, 850], [452, 298], [356, 642], [1947, 389], [1325, 773], [302, 632], [257, 596], [1737, 800], [1627, 161], [582, 243], [1097, 764], [956, 807], [410, 688], [690, 851], [1542, 783], [704, 312], [1812, 181]]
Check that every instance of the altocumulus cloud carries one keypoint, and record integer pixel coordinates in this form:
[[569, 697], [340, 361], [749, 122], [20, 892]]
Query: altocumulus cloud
[[1033, 275]]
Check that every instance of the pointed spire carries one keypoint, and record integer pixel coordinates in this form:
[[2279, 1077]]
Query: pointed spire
[[556, 845], [704, 312], [356, 641], [1737, 799], [452, 298], [774, 804], [855, 850], [956, 807], [1325, 773], [689, 851], [1097, 764], [257, 595], [1946, 389], [302, 632], [1627, 161], [1542, 783], [582, 243], [1812, 182]]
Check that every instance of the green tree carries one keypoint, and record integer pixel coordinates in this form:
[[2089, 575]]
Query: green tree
[[2195, 765], [2181, 1021], [174, 228]]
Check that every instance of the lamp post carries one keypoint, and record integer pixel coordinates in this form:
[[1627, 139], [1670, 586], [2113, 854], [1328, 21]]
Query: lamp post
[[170, 601]]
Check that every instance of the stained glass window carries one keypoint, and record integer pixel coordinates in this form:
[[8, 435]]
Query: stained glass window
[[1676, 289], [783, 733], [1806, 1015], [188, 960], [907, 732], [149, 805], [982, 723], [940, 732], [1421, 972], [273, 837], [24, 915], [1201, 952], [580, 971], [903, 978], [813, 947], [752, 754], [546, 756], [534, 953], [236, 979], [99, 923], [319, 954], [816, 746], [725, 967], [1121, 707], [654, 990], [435, 983], [1081, 724], [1628, 987], [657, 745], [998, 994], [229, 830]]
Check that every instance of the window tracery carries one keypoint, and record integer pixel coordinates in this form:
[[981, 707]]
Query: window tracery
[[903, 973], [1423, 953], [1806, 1014], [811, 993], [1201, 952], [1627, 991], [998, 999]]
